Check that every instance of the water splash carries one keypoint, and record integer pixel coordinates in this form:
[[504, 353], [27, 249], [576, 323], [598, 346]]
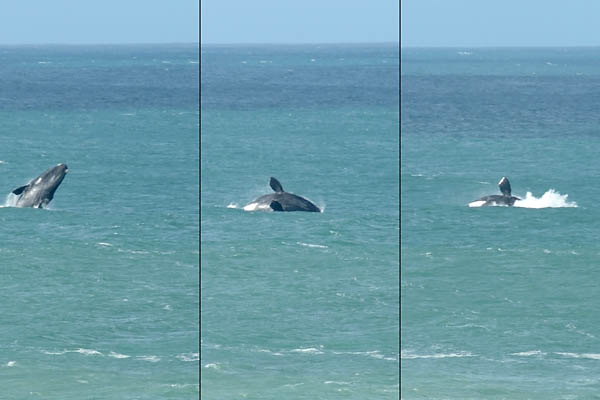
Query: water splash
[[10, 201], [321, 204], [550, 199]]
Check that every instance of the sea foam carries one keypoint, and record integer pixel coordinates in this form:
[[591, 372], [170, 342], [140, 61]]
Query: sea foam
[[550, 199]]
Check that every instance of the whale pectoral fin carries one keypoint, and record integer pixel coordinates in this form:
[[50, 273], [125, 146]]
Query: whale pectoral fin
[[275, 185], [19, 190], [504, 186], [276, 206]]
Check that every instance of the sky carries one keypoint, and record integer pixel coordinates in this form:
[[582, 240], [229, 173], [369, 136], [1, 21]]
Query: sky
[[99, 21], [305, 21], [474, 23]]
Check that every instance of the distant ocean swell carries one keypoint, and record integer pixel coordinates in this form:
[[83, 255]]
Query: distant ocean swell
[[185, 357], [408, 355]]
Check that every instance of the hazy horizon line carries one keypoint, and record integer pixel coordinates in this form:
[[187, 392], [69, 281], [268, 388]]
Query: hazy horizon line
[[99, 44], [291, 43], [495, 46]]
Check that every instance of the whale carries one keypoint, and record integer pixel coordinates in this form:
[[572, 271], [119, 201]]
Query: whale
[[281, 201], [504, 199], [40, 191]]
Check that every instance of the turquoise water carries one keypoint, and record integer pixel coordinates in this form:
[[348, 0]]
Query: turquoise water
[[499, 302], [300, 305], [100, 292]]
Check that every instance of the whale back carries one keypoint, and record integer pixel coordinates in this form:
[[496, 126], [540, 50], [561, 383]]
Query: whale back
[[281, 201]]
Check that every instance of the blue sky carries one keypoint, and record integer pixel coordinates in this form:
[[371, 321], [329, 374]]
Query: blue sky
[[305, 21], [500, 23], [99, 21]]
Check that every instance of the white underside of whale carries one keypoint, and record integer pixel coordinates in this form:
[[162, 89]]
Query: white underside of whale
[[257, 206], [477, 203]]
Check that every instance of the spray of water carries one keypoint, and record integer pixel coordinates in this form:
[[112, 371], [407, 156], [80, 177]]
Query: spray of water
[[10, 201], [550, 199]]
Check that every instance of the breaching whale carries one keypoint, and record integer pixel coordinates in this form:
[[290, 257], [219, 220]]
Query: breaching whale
[[40, 191], [281, 201], [505, 199]]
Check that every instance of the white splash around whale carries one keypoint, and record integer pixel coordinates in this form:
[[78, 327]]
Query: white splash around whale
[[550, 199], [10, 201]]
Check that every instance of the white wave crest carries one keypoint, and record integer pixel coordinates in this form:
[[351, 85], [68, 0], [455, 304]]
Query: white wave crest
[[88, 352], [529, 353], [189, 357], [405, 355], [550, 199], [149, 358], [320, 246], [592, 356], [310, 350], [269, 352], [117, 355]]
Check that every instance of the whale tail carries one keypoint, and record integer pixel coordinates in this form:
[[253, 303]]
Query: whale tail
[[504, 186], [275, 185]]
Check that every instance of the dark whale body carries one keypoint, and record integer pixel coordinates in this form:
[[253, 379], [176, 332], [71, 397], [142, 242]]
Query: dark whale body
[[505, 199], [281, 201], [40, 191]]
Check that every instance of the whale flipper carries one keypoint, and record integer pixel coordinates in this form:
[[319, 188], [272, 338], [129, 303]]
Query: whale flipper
[[19, 190], [276, 206], [504, 186], [275, 185], [505, 199]]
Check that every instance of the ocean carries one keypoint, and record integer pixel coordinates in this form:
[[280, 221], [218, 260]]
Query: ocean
[[499, 302], [300, 305], [100, 292]]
